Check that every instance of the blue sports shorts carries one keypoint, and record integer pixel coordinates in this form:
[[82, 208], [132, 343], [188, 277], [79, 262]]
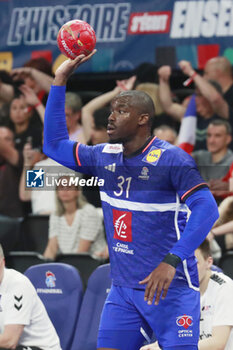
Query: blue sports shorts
[[127, 320]]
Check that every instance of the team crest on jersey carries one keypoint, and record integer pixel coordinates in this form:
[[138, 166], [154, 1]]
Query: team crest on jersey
[[153, 155], [50, 279], [144, 173], [122, 222]]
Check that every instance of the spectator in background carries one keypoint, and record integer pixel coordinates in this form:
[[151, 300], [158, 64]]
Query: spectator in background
[[216, 320], [220, 69], [11, 164], [76, 227], [166, 133], [215, 162], [20, 118], [24, 322], [73, 106]]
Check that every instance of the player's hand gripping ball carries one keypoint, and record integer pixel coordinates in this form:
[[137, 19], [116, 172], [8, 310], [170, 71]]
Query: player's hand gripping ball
[[76, 38]]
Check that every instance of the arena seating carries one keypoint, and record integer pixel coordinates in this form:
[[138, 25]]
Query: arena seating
[[98, 287], [21, 261], [60, 288], [10, 234], [83, 262]]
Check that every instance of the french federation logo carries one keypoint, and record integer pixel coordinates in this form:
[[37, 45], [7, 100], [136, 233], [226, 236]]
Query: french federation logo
[[50, 279], [35, 178]]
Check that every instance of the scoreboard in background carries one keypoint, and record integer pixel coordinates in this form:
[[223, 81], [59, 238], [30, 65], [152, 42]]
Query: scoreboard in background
[[128, 32]]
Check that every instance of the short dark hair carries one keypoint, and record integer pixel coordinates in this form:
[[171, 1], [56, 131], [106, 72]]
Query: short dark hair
[[101, 118], [223, 122], [205, 249]]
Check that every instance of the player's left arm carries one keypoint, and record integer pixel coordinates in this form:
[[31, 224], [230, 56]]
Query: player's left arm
[[9, 339], [220, 335]]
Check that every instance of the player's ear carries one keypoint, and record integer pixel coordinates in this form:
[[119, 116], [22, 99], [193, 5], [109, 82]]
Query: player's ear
[[143, 119]]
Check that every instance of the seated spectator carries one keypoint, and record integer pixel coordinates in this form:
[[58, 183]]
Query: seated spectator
[[215, 162], [11, 164], [166, 133], [24, 321], [216, 319], [76, 227], [73, 107]]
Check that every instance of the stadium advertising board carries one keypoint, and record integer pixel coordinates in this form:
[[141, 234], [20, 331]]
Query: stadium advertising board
[[128, 32]]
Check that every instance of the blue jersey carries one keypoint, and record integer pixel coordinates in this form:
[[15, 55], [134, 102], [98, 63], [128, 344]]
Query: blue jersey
[[143, 200]]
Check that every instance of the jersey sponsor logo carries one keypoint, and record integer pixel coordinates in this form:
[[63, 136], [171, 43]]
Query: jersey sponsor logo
[[184, 321], [153, 155], [149, 22], [18, 302], [122, 222], [117, 148], [122, 248], [50, 279], [144, 174]]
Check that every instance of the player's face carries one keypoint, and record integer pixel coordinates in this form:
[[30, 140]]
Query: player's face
[[217, 138], [19, 111], [123, 120]]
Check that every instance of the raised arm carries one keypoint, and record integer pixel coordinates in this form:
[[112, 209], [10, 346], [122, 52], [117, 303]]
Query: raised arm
[[43, 80], [175, 110], [56, 139], [216, 100]]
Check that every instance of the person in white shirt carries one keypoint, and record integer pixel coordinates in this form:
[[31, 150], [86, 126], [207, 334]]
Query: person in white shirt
[[216, 289], [24, 322], [76, 226]]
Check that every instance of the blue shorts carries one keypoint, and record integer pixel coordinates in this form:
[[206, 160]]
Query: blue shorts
[[175, 321]]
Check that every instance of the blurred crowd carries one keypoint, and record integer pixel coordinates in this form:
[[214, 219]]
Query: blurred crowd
[[197, 116]]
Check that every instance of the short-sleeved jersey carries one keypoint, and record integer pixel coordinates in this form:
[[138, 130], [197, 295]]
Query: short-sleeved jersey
[[217, 307], [143, 200], [20, 304]]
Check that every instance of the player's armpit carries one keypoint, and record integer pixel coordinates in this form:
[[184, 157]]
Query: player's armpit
[[10, 337], [220, 335]]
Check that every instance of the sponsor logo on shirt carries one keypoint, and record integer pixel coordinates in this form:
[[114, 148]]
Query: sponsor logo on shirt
[[153, 155], [185, 322], [111, 167], [18, 302], [112, 148], [122, 222]]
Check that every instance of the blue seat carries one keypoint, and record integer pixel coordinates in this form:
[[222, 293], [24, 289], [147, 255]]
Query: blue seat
[[216, 268], [60, 288], [97, 290]]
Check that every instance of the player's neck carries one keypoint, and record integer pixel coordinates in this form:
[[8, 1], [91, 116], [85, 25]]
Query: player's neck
[[133, 145], [205, 281]]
